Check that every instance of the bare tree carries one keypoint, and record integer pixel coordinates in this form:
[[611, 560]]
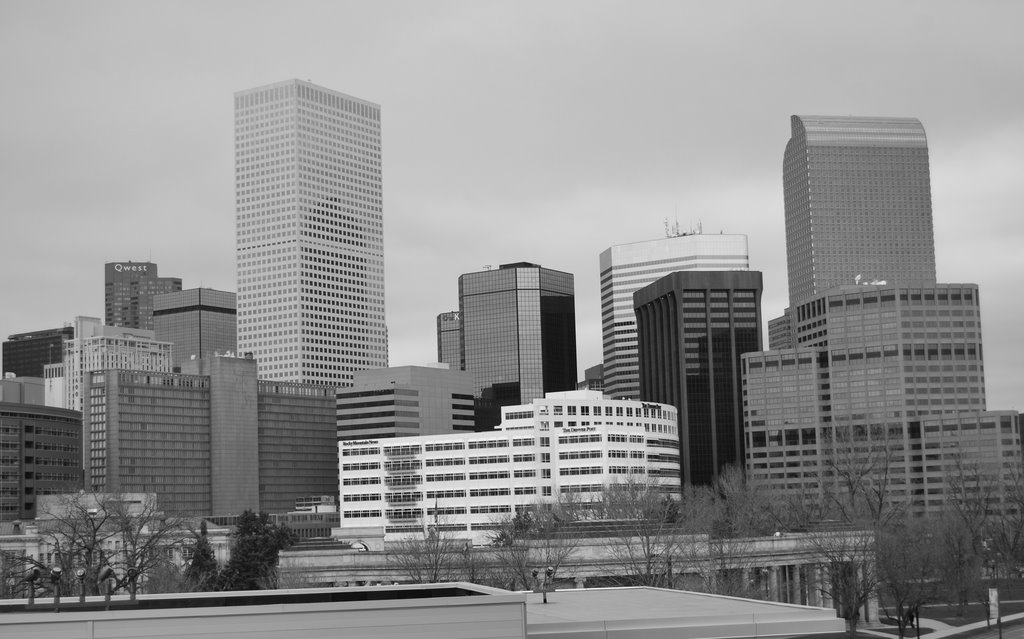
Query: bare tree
[[433, 556], [644, 529], [850, 576], [858, 474], [90, 531], [907, 568], [1004, 535], [543, 536]]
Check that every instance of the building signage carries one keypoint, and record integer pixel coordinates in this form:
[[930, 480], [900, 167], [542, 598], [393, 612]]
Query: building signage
[[452, 316], [131, 268], [579, 429], [360, 442]]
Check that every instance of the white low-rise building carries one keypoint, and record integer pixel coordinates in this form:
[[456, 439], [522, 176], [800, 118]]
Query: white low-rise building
[[569, 445]]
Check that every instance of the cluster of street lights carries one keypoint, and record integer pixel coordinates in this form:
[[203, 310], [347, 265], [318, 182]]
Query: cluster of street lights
[[105, 576]]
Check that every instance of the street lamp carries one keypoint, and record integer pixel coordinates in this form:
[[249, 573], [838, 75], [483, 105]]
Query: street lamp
[[543, 585], [130, 579]]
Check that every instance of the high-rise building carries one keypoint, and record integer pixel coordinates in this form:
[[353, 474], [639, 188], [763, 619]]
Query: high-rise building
[[405, 401], [518, 335], [40, 448], [692, 327], [309, 233], [626, 268], [129, 288], [887, 387], [449, 339], [858, 203], [212, 439], [199, 322], [25, 354]]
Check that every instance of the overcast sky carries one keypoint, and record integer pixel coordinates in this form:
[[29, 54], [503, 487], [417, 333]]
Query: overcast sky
[[512, 131]]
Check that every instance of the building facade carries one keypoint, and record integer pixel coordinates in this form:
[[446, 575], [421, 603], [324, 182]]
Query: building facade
[[626, 268], [692, 328], [25, 354], [858, 203], [405, 401], [568, 445], [199, 322], [309, 233], [449, 339], [211, 440], [889, 375], [297, 444], [129, 288], [40, 453], [97, 348], [518, 335]]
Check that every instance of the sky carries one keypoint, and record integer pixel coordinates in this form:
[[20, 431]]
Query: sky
[[512, 131]]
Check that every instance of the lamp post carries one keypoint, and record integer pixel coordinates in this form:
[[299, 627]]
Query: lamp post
[[55, 575], [542, 585]]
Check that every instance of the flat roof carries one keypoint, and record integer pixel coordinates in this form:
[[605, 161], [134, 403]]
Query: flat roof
[[642, 612]]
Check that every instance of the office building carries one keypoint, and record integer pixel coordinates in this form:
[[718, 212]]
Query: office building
[[568, 445], [593, 379], [858, 203], [309, 233], [96, 347], [692, 327], [25, 354], [298, 442], [449, 339], [405, 401], [626, 268], [210, 440], [518, 335], [40, 449], [891, 372], [199, 322], [129, 288]]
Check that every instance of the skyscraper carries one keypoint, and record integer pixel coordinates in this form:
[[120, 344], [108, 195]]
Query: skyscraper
[[692, 328], [129, 288], [518, 335], [858, 203], [200, 322], [309, 233], [626, 268]]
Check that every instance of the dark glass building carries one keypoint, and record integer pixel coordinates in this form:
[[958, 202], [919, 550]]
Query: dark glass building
[[449, 339], [200, 322], [25, 354], [518, 335], [692, 328], [129, 288]]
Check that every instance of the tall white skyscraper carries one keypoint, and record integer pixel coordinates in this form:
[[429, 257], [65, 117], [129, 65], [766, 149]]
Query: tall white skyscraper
[[310, 233], [627, 268]]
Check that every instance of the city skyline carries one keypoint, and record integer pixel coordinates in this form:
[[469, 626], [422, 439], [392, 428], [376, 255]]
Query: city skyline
[[503, 154]]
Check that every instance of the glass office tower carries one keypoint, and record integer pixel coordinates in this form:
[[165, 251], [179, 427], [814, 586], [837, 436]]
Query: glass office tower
[[309, 233], [518, 335], [626, 268], [692, 328], [858, 203]]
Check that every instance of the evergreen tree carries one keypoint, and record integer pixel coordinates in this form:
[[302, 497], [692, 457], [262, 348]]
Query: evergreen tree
[[253, 563], [201, 574]]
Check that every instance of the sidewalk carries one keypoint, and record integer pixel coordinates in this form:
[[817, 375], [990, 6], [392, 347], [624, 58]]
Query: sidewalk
[[939, 630]]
